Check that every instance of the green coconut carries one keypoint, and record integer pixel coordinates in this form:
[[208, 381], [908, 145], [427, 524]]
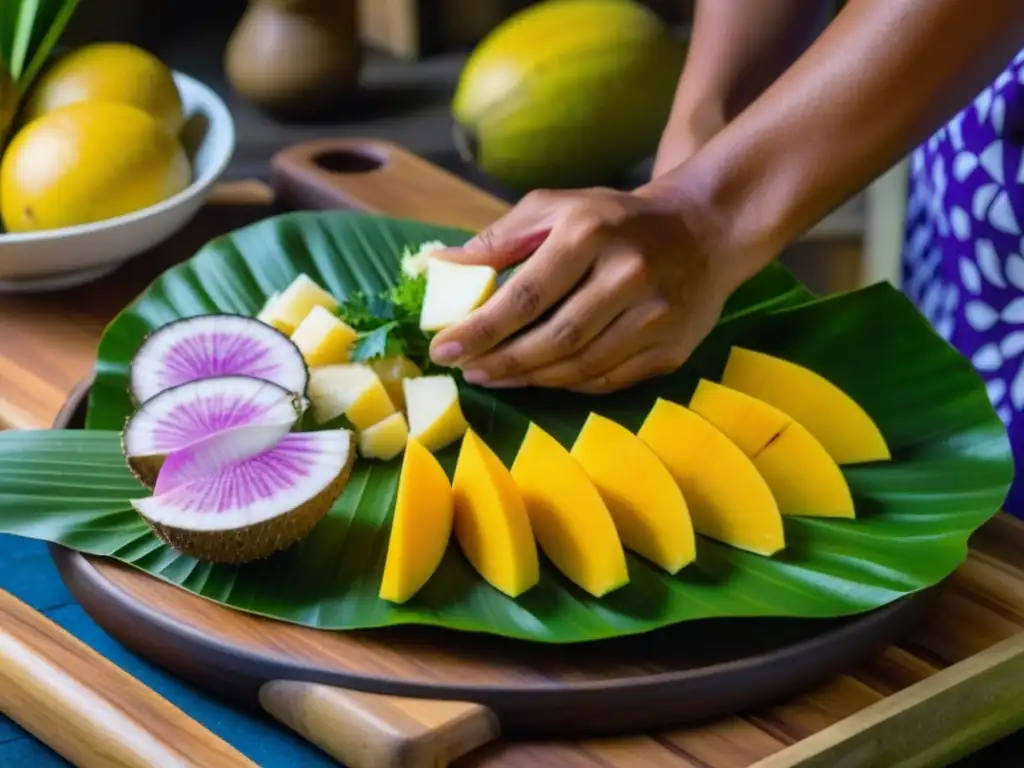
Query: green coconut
[[567, 93]]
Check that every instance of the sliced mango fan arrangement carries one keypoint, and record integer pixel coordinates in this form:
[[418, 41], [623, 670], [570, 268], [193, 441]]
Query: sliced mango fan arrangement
[[302, 458]]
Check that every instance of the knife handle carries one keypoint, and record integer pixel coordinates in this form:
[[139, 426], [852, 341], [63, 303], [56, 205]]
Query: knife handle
[[368, 730], [89, 710]]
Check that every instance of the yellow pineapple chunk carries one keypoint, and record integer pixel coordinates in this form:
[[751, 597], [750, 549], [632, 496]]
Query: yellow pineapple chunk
[[385, 439], [435, 415], [393, 370], [323, 339], [286, 311], [351, 390]]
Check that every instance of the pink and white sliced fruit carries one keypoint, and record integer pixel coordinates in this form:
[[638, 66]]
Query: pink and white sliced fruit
[[259, 413], [209, 346], [218, 501]]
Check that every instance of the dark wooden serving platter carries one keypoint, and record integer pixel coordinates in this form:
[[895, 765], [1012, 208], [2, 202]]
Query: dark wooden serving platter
[[415, 697]]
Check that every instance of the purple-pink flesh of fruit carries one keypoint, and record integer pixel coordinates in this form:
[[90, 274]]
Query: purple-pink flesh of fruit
[[196, 411], [205, 456], [252, 489], [210, 346]]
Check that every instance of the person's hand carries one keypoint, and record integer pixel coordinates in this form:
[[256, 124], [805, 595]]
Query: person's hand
[[625, 289]]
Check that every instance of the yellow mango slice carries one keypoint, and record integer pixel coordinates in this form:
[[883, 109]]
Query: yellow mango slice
[[435, 415], [421, 527], [569, 518], [350, 389], [491, 524], [393, 370], [385, 439], [832, 417], [803, 478], [645, 502], [323, 339], [290, 308], [728, 499]]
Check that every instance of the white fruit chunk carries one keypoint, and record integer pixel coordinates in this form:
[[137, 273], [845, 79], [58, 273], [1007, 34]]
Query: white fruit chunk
[[385, 439], [453, 291], [323, 339], [350, 390], [267, 316], [393, 370], [435, 415], [414, 264], [296, 301]]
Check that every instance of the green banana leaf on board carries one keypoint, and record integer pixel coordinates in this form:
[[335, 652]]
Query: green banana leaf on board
[[950, 471]]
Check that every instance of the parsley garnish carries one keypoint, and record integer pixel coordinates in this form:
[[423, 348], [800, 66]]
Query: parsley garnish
[[389, 324]]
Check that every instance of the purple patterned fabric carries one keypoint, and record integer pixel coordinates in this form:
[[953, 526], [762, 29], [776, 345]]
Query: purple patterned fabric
[[963, 257]]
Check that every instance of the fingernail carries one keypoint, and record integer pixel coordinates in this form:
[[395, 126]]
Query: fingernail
[[475, 377], [446, 354], [506, 384]]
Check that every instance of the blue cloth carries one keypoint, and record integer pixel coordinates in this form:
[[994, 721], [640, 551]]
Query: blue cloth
[[27, 572]]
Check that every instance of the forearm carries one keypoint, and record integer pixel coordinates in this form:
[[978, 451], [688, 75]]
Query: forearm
[[737, 48], [881, 78]]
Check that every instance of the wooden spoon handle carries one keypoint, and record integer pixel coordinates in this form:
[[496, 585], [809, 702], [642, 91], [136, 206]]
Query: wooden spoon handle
[[365, 730], [89, 710], [379, 177]]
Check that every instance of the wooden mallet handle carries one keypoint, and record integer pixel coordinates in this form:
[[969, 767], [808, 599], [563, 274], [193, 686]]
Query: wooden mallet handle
[[365, 730], [89, 710]]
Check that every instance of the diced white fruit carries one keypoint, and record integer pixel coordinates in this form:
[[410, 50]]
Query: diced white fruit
[[295, 302], [393, 370], [352, 390], [435, 415], [323, 338], [453, 291], [268, 317], [385, 439], [414, 263]]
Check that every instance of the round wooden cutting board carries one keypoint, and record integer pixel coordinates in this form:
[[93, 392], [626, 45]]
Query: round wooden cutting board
[[434, 695]]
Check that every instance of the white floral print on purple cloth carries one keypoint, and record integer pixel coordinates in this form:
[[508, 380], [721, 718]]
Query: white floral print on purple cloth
[[963, 257]]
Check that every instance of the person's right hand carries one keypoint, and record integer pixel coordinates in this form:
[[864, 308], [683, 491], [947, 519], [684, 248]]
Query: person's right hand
[[630, 288]]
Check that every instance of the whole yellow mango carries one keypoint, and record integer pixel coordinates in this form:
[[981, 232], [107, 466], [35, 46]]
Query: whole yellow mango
[[88, 162], [109, 72]]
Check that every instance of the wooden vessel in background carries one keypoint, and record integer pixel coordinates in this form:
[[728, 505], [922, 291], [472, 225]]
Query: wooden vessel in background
[[295, 58]]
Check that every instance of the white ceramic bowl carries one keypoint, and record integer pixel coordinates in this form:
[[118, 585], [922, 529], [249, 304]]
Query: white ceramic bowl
[[62, 258]]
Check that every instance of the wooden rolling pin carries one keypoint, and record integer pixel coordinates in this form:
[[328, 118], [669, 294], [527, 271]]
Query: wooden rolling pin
[[89, 710]]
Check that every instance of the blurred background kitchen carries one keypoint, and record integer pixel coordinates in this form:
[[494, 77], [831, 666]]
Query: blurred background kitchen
[[292, 70]]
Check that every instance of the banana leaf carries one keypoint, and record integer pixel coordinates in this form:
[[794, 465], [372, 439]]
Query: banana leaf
[[29, 29], [950, 471]]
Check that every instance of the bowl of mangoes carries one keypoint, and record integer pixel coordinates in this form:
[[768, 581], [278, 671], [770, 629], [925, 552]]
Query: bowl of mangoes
[[106, 154]]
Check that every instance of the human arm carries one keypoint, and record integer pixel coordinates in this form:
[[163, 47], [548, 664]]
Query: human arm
[[880, 79], [877, 82], [737, 48]]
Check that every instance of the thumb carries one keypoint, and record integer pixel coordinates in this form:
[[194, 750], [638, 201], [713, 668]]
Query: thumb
[[509, 240]]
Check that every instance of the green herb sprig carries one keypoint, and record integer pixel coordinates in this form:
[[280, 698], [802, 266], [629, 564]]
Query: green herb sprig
[[389, 323]]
